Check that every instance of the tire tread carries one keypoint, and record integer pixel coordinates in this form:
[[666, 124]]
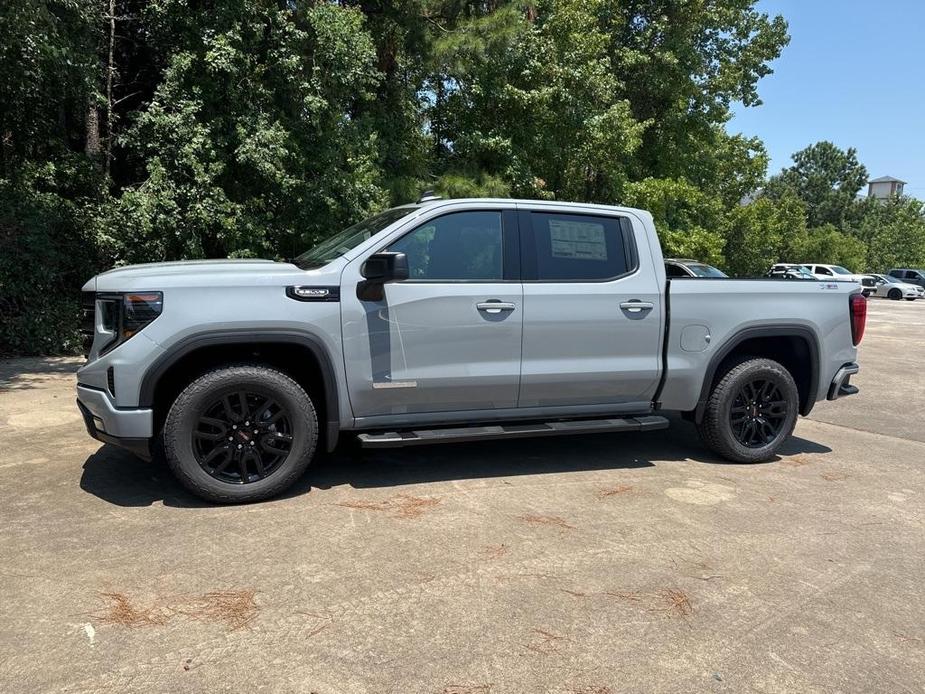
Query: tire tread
[[713, 429], [203, 383]]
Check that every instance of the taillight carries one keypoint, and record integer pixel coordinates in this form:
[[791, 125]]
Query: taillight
[[857, 305]]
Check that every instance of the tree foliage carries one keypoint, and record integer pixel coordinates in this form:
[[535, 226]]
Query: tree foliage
[[827, 179], [146, 130]]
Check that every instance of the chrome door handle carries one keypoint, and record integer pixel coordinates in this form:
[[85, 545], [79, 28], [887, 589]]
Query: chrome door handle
[[637, 306], [495, 306]]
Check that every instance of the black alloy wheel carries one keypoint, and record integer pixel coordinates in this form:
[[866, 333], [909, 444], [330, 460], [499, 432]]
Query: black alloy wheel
[[758, 413], [242, 437]]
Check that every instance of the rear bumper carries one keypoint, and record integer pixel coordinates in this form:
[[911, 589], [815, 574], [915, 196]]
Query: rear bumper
[[129, 429], [841, 386]]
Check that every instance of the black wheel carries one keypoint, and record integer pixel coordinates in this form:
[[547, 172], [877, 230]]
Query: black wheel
[[911, 298], [240, 433], [895, 294], [751, 411]]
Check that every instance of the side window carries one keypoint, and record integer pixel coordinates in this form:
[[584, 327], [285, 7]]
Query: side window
[[574, 247], [912, 275], [896, 273], [673, 270], [823, 270], [457, 246]]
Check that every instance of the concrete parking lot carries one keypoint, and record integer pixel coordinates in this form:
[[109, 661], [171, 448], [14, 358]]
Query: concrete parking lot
[[587, 565]]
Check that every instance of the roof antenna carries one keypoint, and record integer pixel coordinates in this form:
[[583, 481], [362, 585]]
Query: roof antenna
[[428, 196]]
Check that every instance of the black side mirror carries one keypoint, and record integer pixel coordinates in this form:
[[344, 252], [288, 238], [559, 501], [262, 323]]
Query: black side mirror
[[378, 269]]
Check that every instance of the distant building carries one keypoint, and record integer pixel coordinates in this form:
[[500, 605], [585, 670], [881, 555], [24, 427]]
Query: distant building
[[885, 187]]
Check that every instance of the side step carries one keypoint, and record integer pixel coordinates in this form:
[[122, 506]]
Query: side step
[[417, 437]]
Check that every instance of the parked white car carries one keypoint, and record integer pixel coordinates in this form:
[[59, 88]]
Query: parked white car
[[892, 288], [790, 271], [840, 274], [835, 272]]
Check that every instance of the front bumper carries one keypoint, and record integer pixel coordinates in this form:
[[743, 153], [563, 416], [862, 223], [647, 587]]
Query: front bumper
[[841, 386], [131, 429]]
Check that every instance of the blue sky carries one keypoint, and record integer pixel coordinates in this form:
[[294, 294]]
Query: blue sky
[[854, 73]]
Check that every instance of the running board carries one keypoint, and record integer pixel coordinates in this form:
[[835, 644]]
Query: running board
[[417, 437]]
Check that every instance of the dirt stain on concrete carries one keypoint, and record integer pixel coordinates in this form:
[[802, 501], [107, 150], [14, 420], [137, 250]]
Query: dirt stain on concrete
[[545, 642], [613, 491], [493, 552], [673, 602], [555, 521], [399, 506], [235, 609]]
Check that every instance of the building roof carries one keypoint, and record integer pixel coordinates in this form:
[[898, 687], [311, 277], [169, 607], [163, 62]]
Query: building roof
[[886, 179]]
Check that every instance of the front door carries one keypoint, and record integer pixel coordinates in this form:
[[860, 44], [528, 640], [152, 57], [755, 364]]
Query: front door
[[592, 312], [449, 337]]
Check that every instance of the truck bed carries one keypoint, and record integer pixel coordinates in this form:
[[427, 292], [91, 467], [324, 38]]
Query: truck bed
[[708, 316]]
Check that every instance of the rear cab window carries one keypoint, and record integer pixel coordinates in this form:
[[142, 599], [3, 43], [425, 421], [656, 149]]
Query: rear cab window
[[561, 247]]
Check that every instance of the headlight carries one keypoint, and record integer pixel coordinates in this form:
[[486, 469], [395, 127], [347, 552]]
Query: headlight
[[138, 310], [123, 316]]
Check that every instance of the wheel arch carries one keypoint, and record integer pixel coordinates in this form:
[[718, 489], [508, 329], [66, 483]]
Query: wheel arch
[[796, 347], [301, 355]]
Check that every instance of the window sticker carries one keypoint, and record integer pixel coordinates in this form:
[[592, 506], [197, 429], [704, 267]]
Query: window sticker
[[579, 240]]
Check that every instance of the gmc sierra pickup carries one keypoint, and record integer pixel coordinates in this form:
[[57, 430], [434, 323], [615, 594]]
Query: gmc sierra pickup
[[447, 321]]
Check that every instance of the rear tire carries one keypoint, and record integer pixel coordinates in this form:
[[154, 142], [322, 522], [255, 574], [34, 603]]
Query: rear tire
[[240, 434], [751, 411], [911, 298], [895, 294]]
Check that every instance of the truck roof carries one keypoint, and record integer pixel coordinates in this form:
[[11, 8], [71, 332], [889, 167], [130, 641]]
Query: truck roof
[[557, 204]]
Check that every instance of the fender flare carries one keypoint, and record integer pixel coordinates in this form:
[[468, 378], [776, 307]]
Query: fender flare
[[191, 343], [779, 330]]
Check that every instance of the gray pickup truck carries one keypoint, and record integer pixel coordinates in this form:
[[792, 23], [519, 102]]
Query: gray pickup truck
[[447, 321]]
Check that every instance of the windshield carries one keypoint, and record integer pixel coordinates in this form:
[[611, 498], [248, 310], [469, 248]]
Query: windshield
[[705, 270], [350, 238], [839, 270]]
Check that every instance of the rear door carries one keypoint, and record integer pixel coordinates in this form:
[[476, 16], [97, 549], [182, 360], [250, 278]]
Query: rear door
[[592, 312]]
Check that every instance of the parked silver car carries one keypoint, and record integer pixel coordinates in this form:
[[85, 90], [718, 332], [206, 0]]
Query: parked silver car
[[892, 288]]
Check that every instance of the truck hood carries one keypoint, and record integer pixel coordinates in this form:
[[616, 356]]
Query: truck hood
[[191, 273]]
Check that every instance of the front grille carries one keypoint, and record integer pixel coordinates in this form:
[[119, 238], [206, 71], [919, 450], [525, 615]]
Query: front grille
[[87, 320]]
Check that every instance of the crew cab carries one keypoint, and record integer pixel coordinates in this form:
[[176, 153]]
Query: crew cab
[[446, 321]]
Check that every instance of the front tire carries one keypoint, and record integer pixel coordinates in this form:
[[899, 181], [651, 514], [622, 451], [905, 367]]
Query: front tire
[[240, 434], [895, 294], [751, 411]]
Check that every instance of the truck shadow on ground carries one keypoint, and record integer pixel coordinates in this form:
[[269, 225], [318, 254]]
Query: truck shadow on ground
[[124, 480]]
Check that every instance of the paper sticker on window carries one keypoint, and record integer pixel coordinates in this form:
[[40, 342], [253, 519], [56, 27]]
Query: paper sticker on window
[[579, 240]]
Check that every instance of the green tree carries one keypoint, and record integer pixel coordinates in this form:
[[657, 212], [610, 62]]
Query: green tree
[[572, 99], [690, 222], [894, 232], [250, 144], [762, 233], [827, 179], [826, 244]]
